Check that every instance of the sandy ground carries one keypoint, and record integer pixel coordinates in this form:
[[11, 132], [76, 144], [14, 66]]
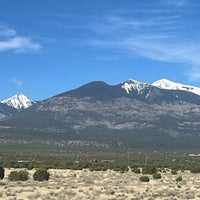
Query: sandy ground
[[109, 185]]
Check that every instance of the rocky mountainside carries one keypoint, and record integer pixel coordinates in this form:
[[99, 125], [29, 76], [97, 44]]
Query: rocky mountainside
[[128, 105], [125, 110], [6, 111]]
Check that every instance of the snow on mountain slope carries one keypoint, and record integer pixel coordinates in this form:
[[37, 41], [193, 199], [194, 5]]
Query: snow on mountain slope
[[19, 101], [133, 85], [169, 85]]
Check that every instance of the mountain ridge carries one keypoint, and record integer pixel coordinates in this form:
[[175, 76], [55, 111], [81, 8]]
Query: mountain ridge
[[83, 102], [97, 111], [170, 85], [18, 101], [127, 85]]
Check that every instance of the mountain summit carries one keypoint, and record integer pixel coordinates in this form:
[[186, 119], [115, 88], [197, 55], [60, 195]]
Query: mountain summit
[[127, 105], [19, 101], [131, 84], [131, 113], [169, 85]]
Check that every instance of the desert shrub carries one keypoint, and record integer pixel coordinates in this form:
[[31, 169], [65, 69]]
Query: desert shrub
[[175, 167], [2, 172], [18, 176], [30, 167], [104, 168], [179, 178], [136, 170], [41, 175], [157, 176], [144, 179], [149, 169], [95, 167], [123, 168], [195, 169], [173, 172]]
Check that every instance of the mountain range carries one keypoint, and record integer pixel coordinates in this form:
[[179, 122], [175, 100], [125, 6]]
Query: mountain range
[[136, 114]]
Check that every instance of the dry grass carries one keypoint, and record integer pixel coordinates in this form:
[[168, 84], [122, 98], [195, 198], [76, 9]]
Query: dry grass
[[109, 185]]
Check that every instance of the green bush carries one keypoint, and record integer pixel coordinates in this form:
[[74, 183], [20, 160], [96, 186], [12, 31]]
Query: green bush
[[144, 179], [30, 167], [136, 170], [149, 169], [18, 176], [195, 169], [179, 178], [174, 172], [157, 176], [2, 172], [41, 175]]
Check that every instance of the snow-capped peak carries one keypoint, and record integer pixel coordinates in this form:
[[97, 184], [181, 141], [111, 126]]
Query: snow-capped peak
[[169, 85], [19, 101], [133, 85]]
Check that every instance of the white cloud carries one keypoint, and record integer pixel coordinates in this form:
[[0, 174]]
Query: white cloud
[[18, 83], [18, 44], [153, 47], [193, 74], [156, 48], [160, 37], [9, 40], [6, 32], [147, 37], [176, 3], [114, 24]]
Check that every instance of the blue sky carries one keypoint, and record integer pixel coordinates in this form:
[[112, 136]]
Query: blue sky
[[51, 46]]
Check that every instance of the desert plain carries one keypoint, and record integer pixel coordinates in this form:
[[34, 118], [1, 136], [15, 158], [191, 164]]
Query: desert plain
[[101, 185]]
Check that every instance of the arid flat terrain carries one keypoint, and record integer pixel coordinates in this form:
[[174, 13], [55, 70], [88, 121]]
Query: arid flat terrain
[[99, 185]]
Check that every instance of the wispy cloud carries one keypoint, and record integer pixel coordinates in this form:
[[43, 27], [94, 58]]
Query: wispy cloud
[[194, 74], [19, 44], [177, 3], [10, 41], [18, 83], [114, 23], [153, 47], [160, 37], [6, 32]]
